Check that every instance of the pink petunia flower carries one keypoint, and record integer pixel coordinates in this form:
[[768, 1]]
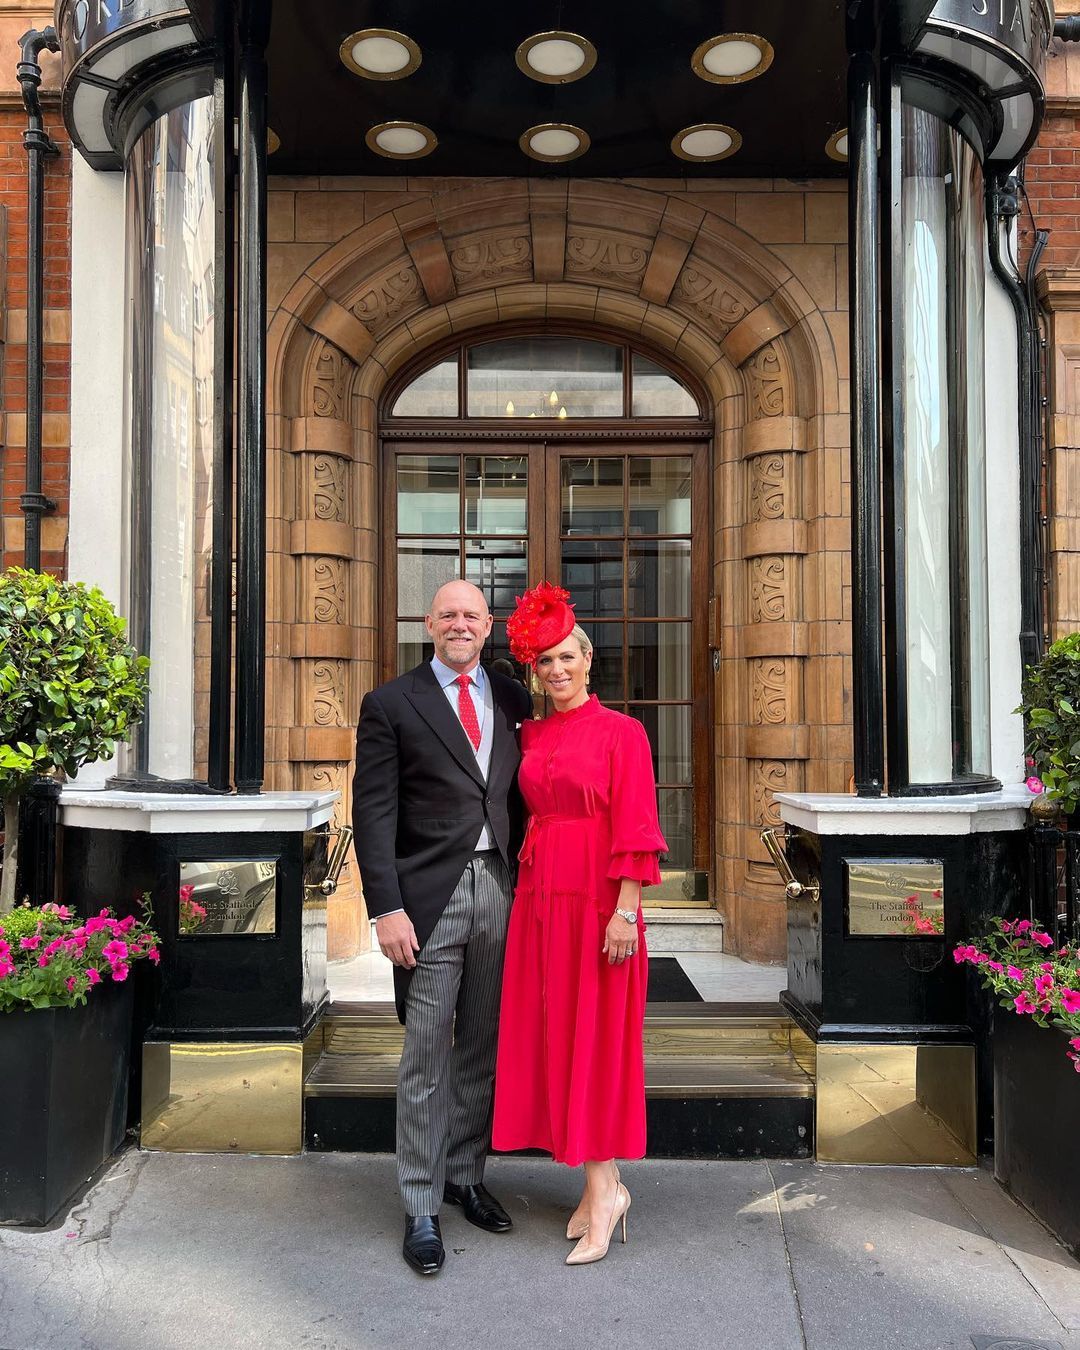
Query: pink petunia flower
[[120, 971], [43, 961], [94, 926], [996, 967], [186, 892], [1043, 939], [154, 955], [1034, 784], [1015, 973], [114, 951], [93, 975], [71, 982], [28, 944], [1070, 1002], [1023, 1002], [1044, 983]]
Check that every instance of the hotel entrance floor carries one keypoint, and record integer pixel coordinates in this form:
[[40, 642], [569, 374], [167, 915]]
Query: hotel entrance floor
[[181, 1252], [717, 977]]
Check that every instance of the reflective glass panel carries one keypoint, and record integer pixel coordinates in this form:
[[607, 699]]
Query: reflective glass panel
[[592, 571], [660, 496], [660, 660], [945, 552], [668, 725], [676, 808], [495, 494], [432, 394], [592, 495], [656, 393], [658, 578], [170, 444], [422, 568], [428, 494], [413, 646], [498, 567], [606, 674], [544, 377]]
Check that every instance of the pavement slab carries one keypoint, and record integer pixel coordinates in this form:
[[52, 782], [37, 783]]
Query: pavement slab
[[182, 1252]]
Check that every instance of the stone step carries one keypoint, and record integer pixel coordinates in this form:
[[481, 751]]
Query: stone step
[[684, 930], [721, 1080]]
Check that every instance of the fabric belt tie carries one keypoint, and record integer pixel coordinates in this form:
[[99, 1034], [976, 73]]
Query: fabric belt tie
[[528, 845]]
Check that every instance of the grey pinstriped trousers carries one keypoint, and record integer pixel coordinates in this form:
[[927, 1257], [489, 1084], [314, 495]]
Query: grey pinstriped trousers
[[451, 1030]]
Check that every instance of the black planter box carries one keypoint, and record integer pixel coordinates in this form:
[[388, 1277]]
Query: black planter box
[[1036, 1107], [65, 1076]]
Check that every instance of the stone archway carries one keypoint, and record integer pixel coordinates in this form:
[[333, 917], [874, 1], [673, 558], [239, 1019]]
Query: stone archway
[[640, 262]]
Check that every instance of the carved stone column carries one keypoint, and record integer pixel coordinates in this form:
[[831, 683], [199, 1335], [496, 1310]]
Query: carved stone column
[[773, 640]]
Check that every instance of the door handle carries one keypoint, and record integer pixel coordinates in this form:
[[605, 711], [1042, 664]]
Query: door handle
[[794, 889], [335, 862]]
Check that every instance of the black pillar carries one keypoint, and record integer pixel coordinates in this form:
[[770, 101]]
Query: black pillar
[[251, 399], [33, 503], [864, 261], [221, 580]]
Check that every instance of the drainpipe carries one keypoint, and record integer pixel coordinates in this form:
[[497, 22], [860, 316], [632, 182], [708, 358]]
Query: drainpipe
[[33, 503], [1002, 204]]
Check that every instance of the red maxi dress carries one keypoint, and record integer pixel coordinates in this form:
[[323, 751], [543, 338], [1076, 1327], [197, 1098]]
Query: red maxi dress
[[570, 1075]]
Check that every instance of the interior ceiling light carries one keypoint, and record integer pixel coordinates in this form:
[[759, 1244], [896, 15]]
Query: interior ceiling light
[[706, 141], [380, 54], [273, 141], [732, 58], [555, 57], [554, 142], [401, 140], [836, 147]]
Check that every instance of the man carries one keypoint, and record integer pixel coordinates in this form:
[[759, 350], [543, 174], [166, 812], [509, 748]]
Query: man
[[437, 819]]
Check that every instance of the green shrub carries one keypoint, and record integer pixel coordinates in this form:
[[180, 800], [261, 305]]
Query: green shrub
[[71, 686], [1051, 709]]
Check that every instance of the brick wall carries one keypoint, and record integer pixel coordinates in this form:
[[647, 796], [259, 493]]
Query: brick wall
[[1052, 179], [57, 332]]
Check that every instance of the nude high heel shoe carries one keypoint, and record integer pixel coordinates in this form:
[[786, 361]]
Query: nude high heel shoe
[[577, 1227], [584, 1253]]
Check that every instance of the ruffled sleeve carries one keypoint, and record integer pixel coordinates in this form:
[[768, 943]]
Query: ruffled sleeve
[[635, 829]]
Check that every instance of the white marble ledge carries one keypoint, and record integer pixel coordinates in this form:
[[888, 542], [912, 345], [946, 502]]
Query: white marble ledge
[[194, 813], [841, 813]]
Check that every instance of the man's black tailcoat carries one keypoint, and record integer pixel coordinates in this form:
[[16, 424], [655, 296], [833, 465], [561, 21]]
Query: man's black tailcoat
[[420, 800]]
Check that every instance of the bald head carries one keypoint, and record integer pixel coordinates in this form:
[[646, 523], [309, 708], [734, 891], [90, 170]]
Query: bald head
[[458, 623]]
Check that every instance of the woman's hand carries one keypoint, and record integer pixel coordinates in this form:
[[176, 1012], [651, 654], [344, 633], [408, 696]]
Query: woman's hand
[[620, 940]]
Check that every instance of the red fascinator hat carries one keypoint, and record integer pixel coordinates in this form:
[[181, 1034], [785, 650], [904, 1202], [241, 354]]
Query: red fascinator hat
[[541, 619]]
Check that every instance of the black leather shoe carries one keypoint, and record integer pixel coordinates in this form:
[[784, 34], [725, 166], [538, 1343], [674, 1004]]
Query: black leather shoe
[[423, 1248], [480, 1206]]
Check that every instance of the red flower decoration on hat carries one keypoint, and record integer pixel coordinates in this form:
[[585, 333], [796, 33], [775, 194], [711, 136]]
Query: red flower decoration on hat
[[541, 619]]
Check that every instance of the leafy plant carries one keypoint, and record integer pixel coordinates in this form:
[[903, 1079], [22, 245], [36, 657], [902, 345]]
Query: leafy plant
[[1051, 709], [71, 686], [50, 960], [1017, 961]]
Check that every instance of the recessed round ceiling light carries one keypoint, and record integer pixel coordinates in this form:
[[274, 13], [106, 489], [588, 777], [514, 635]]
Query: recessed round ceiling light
[[401, 140], [555, 57], [380, 54], [273, 141], [732, 58], [554, 142], [706, 141], [836, 147]]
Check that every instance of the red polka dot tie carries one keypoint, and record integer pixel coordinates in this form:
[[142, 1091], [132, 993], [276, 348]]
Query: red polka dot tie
[[467, 710]]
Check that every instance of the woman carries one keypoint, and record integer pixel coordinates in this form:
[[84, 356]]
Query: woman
[[570, 1077]]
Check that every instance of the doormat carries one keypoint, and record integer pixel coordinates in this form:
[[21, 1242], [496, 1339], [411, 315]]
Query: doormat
[[669, 983]]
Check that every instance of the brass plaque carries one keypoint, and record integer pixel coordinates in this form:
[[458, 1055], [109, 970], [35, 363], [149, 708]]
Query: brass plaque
[[236, 895], [895, 897]]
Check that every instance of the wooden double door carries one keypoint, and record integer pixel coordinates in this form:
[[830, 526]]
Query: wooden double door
[[625, 527]]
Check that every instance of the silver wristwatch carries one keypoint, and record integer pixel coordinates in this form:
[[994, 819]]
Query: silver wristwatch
[[630, 915]]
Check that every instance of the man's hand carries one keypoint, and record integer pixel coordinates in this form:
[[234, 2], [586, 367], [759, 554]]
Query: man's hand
[[397, 938]]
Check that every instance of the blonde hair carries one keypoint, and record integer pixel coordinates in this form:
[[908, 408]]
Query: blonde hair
[[583, 641]]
